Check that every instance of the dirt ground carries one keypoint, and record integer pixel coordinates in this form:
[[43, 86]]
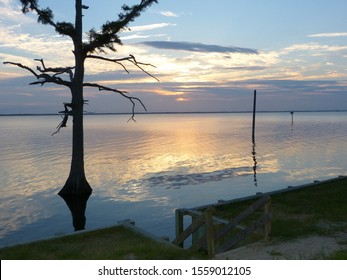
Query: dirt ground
[[308, 248]]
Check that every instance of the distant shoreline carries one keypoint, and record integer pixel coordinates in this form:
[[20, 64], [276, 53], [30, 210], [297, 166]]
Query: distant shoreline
[[185, 113]]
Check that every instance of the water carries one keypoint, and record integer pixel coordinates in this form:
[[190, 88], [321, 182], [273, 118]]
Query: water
[[145, 170]]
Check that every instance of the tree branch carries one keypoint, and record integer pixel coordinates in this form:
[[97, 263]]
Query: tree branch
[[129, 58], [122, 93], [56, 70], [120, 61], [24, 67], [44, 77], [45, 16], [66, 113], [108, 36]]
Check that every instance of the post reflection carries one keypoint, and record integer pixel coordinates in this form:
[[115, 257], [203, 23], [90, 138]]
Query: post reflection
[[254, 156], [77, 205]]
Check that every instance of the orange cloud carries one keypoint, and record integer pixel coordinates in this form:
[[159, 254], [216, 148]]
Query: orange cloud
[[168, 92], [182, 99]]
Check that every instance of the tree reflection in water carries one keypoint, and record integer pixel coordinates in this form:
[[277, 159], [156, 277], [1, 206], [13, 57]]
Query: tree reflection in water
[[77, 205]]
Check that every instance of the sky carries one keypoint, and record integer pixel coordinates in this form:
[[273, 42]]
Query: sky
[[208, 55]]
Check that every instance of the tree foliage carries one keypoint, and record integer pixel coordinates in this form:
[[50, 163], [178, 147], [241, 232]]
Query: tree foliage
[[107, 37]]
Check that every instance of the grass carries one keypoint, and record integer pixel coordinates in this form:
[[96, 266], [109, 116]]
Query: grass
[[339, 255], [318, 209], [315, 210], [105, 244]]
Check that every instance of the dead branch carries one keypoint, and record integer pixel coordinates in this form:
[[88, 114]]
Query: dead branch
[[56, 70], [66, 113], [120, 61], [24, 67], [43, 77], [130, 59], [122, 93]]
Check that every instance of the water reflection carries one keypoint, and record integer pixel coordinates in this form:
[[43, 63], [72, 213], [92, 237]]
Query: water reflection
[[139, 167], [177, 151], [254, 157], [77, 205]]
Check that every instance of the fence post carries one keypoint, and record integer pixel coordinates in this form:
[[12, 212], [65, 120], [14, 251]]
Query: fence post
[[210, 234], [179, 223], [267, 227]]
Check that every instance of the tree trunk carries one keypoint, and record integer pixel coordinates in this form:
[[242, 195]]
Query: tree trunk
[[77, 184]]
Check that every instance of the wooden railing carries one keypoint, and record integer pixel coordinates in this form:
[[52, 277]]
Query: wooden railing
[[216, 232]]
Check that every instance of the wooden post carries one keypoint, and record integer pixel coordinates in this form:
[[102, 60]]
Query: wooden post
[[292, 113], [179, 223], [254, 110], [210, 236], [267, 228]]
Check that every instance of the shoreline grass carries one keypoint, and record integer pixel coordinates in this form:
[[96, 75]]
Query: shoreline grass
[[104, 244], [317, 210], [314, 209]]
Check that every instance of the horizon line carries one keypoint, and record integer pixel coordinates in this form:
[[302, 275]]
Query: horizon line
[[188, 112]]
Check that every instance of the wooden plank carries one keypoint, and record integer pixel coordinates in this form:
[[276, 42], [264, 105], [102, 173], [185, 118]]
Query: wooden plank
[[244, 233], [246, 213], [189, 230], [196, 214], [234, 223]]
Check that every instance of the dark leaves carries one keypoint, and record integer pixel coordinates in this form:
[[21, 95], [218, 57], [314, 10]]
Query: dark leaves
[[45, 16], [108, 36], [28, 5], [65, 28]]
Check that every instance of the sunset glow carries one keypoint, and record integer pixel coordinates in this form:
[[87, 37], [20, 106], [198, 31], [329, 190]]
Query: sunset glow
[[223, 59]]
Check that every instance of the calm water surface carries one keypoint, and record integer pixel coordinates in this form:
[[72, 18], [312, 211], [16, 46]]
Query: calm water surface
[[144, 170]]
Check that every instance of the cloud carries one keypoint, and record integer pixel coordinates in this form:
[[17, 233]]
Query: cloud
[[168, 14], [168, 92], [138, 36], [138, 31], [327, 35], [150, 27], [247, 68], [11, 13], [183, 99], [318, 49], [197, 47], [16, 95]]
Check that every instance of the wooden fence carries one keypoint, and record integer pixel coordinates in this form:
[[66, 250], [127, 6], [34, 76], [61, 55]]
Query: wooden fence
[[213, 233]]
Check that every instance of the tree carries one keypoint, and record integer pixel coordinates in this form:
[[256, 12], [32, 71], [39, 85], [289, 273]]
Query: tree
[[73, 77]]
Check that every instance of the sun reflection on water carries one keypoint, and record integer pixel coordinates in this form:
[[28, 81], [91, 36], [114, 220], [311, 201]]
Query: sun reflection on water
[[147, 169]]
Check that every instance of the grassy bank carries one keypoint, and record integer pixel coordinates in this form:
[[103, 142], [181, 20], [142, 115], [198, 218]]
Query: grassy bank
[[315, 210], [105, 244], [320, 209]]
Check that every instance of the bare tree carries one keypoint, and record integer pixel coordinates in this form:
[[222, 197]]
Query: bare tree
[[73, 77]]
